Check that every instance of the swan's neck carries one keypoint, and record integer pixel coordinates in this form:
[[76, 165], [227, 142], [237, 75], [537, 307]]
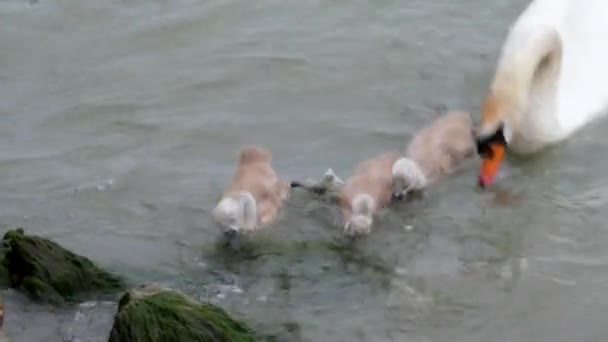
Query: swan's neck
[[523, 93]]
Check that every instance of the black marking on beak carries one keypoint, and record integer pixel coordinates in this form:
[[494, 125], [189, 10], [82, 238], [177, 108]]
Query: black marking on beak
[[483, 142]]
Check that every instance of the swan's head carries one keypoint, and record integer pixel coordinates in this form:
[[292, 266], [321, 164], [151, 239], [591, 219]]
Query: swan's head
[[492, 140], [407, 176], [525, 78], [360, 222], [500, 117]]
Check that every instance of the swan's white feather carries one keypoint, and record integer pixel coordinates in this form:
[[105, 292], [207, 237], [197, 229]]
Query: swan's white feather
[[576, 92]]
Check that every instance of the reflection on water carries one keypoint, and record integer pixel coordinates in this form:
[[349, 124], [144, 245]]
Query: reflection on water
[[119, 126]]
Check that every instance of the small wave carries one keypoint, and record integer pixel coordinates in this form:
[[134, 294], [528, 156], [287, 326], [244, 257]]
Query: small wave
[[575, 260], [97, 186], [280, 60], [593, 197], [87, 111], [17, 5], [562, 240], [556, 279]]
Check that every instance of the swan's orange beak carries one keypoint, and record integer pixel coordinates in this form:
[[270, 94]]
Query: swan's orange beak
[[491, 163]]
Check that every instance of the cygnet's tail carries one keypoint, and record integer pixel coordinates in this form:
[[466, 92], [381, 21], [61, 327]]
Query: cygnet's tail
[[331, 179], [329, 182]]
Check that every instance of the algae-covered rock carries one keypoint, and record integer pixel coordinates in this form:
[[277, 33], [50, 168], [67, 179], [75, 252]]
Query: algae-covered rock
[[154, 314], [4, 282], [45, 271]]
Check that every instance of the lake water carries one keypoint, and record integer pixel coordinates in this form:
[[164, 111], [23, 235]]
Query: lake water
[[120, 122]]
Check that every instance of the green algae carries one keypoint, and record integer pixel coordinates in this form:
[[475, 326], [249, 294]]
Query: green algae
[[165, 315], [47, 272]]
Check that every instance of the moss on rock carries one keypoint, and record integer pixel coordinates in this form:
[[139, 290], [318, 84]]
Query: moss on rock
[[47, 272], [3, 273], [151, 313]]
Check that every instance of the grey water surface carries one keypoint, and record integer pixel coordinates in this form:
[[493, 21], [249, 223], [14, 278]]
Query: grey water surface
[[120, 122]]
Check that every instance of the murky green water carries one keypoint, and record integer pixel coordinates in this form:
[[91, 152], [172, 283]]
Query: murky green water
[[120, 122]]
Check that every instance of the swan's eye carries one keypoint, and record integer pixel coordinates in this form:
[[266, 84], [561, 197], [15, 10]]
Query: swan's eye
[[484, 150], [484, 142]]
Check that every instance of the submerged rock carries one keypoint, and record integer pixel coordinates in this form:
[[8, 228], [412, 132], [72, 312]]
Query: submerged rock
[[47, 272], [151, 313], [3, 273]]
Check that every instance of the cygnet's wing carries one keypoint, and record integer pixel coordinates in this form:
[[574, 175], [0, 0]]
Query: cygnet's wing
[[459, 141], [252, 171], [267, 212]]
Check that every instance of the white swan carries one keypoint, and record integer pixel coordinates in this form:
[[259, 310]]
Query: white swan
[[550, 80]]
